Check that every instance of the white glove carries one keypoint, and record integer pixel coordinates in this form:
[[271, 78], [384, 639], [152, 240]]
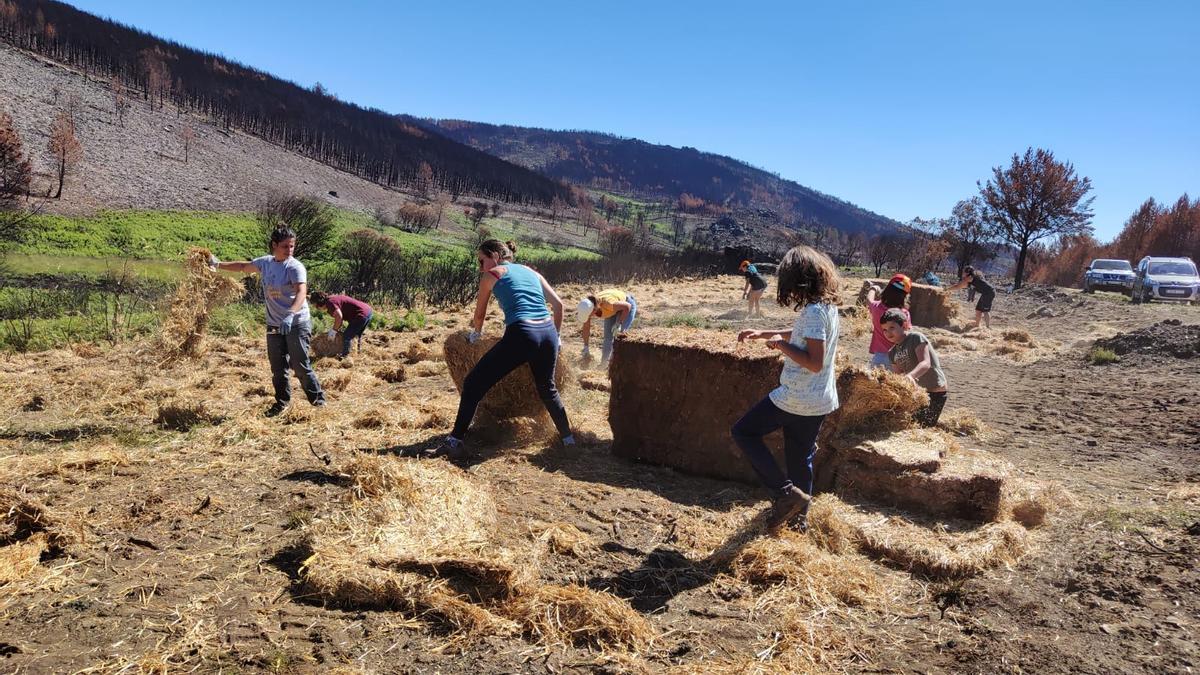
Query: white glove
[[331, 333], [213, 261], [474, 336]]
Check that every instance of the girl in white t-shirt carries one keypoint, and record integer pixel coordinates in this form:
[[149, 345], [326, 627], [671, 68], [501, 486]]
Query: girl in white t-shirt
[[807, 392]]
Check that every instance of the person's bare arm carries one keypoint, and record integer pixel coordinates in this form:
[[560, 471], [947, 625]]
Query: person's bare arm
[[924, 362], [486, 283], [556, 303], [623, 309], [811, 357], [301, 295], [961, 283], [243, 267], [764, 335], [337, 318], [585, 331]]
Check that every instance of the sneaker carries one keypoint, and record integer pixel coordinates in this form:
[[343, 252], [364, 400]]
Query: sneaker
[[451, 448], [320, 403], [276, 410], [788, 504]]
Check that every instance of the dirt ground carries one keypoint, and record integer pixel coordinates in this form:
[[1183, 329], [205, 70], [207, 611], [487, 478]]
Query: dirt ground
[[184, 512]]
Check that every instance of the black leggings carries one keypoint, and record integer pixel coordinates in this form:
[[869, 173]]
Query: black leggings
[[535, 344], [930, 414], [799, 445]]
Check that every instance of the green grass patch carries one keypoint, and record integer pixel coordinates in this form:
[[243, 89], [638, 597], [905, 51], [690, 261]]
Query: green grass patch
[[679, 320], [145, 235], [1100, 356]]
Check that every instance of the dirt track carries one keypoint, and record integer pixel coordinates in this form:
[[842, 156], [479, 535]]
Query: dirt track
[[187, 551]]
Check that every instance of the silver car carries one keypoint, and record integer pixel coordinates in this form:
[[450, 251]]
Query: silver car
[[1172, 279], [1105, 274]]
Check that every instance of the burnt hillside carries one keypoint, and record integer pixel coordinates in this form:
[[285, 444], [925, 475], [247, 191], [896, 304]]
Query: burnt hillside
[[368, 143]]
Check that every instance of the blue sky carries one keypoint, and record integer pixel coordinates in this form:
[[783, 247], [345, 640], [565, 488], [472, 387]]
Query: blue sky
[[899, 107]]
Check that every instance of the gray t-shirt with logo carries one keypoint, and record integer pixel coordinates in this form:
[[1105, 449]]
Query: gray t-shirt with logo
[[281, 281], [904, 355]]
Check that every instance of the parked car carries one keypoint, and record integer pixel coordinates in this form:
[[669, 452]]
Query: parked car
[[1105, 274], [1166, 279]]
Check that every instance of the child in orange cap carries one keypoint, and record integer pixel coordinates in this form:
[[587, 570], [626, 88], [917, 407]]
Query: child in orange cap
[[893, 296]]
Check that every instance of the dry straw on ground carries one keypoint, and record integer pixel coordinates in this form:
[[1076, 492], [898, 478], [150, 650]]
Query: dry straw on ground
[[27, 534], [323, 346], [515, 395], [581, 616], [202, 291]]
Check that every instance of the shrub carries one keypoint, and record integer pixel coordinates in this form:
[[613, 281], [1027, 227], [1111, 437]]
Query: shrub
[[1100, 356], [677, 320], [311, 219]]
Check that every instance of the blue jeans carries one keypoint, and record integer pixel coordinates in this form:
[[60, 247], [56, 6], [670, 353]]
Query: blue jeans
[[799, 445], [355, 329], [535, 344], [292, 350], [610, 329]]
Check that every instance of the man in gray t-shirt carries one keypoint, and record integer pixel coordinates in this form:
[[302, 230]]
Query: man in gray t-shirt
[[913, 355], [289, 325]]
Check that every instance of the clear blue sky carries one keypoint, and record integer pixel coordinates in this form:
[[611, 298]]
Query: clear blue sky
[[899, 107]]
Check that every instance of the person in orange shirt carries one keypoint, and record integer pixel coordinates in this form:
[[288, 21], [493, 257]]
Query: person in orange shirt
[[618, 310]]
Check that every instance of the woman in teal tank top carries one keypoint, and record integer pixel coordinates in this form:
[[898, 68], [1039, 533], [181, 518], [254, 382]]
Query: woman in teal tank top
[[530, 336]]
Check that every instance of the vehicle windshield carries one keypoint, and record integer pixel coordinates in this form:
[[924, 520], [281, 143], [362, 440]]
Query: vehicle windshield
[[1122, 265], [1179, 267]]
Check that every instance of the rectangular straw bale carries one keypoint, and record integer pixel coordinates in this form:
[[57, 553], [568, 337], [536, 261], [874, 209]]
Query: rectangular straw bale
[[968, 485], [515, 395], [928, 305], [676, 392]]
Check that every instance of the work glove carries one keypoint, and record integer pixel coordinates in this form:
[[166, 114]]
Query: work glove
[[213, 261], [331, 333], [287, 323], [474, 336]]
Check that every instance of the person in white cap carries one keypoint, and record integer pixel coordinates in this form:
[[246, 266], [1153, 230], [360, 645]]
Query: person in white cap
[[617, 308]]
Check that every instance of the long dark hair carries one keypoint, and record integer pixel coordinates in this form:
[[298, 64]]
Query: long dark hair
[[893, 297], [806, 276]]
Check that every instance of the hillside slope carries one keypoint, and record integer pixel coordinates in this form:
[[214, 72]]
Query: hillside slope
[[634, 166], [139, 163], [369, 143]]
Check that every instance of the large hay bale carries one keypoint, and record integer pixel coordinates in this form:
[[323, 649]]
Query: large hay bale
[[676, 392], [200, 292], [658, 418], [515, 395], [928, 305], [964, 484]]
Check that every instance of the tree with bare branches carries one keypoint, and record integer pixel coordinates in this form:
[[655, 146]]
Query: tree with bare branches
[[424, 181], [1036, 197], [64, 145], [187, 134]]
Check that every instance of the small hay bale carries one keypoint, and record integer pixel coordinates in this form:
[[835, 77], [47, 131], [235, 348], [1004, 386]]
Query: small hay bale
[[421, 541], [968, 484], [515, 395], [322, 346], [932, 553], [583, 617], [927, 305], [201, 291]]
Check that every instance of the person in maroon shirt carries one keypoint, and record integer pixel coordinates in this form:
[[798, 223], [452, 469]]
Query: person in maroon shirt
[[346, 311]]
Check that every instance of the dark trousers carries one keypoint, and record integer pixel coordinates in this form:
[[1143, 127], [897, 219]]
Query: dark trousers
[[522, 343], [292, 350], [799, 445], [355, 329], [930, 414]]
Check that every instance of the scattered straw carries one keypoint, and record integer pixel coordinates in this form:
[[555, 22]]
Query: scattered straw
[[583, 617], [566, 539], [201, 291]]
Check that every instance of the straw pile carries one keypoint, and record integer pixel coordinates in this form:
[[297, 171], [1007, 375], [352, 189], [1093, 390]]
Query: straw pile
[[201, 291], [927, 305], [873, 400], [515, 395], [934, 553], [818, 577], [27, 534], [420, 538]]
